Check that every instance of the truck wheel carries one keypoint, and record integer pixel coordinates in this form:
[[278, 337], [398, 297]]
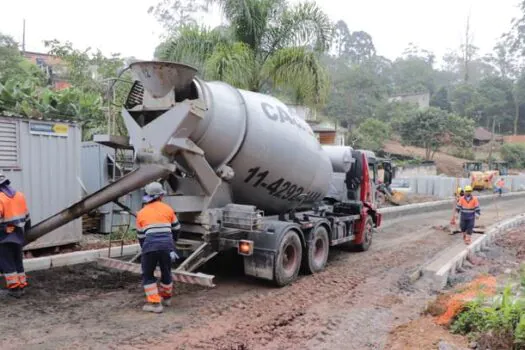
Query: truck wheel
[[317, 251], [288, 260], [369, 230]]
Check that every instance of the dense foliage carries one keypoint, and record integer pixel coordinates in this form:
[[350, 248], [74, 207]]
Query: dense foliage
[[495, 324], [26, 91]]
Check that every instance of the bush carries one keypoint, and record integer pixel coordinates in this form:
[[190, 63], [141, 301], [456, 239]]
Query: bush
[[514, 154], [465, 153], [371, 134], [499, 324]]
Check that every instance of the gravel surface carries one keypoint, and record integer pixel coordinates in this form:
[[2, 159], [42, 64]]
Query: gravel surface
[[353, 304]]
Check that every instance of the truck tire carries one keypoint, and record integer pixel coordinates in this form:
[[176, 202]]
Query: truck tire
[[288, 259], [316, 254], [369, 230]]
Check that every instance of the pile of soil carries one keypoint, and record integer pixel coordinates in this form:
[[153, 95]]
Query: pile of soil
[[445, 163]]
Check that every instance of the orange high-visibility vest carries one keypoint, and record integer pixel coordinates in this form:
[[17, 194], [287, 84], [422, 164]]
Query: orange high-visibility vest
[[468, 208], [13, 217], [156, 217]]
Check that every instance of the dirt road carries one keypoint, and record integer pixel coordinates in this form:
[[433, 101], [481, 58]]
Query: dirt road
[[353, 304]]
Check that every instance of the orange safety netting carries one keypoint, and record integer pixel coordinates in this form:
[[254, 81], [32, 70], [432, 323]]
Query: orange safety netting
[[481, 286]]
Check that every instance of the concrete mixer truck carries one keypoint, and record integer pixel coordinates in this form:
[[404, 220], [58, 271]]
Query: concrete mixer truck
[[241, 173]]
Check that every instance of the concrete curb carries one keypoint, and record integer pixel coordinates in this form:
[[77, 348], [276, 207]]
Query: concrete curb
[[74, 258], [420, 208], [440, 277]]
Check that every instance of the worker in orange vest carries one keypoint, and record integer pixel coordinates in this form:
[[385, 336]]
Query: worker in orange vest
[[469, 210], [157, 228], [14, 221], [499, 186]]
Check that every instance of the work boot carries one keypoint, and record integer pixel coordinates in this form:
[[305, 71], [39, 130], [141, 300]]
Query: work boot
[[166, 301], [150, 307]]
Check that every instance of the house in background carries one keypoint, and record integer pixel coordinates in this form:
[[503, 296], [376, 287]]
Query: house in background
[[482, 137], [421, 99], [328, 133], [53, 67]]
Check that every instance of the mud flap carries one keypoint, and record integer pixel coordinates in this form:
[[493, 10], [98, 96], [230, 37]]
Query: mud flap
[[260, 264], [266, 243]]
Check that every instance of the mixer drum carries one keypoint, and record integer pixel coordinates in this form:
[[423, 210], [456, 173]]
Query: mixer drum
[[276, 157]]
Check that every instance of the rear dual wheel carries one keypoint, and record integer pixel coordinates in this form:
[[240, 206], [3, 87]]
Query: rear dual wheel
[[288, 260], [316, 254]]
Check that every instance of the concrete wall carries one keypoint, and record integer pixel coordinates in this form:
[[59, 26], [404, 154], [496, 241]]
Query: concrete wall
[[444, 187], [42, 159]]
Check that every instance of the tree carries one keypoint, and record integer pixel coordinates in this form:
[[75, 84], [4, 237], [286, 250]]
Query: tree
[[468, 51], [414, 72], [361, 47], [440, 100], [434, 127], [14, 66], [465, 100], [372, 134], [268, 45], [514, 154], [341, 39], [496, 101], [356, 91], [174, 14]]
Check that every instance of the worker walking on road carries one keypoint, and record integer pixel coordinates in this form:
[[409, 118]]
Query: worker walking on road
[[157, 228], [469, 210], [14, 221]]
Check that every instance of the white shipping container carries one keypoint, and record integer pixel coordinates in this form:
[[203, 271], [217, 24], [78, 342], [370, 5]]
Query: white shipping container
[[42, 159]]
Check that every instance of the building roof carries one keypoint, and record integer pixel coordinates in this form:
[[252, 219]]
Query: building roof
[[514, 139], [10, 115], [323, 127], [482, 134]]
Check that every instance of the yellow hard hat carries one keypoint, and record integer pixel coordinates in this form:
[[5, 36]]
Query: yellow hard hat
[[468, 188], [458, 191]]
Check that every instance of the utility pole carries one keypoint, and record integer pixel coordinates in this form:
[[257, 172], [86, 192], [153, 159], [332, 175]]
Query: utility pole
[[24, 37], [492, 141]]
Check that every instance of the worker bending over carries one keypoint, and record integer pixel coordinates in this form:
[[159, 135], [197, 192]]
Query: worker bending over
[[14, 221], [157, 228], [469, 210]]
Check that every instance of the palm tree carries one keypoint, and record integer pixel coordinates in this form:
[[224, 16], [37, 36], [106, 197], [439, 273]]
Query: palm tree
[[267, 45]]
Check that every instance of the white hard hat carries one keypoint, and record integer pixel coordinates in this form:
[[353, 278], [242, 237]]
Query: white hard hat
[[153, 191], [4, 179]]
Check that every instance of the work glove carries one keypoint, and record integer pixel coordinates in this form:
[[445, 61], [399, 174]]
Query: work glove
[[173, 256], [477, 216]]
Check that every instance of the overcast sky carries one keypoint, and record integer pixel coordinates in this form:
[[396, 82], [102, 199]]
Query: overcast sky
[[127, 28]]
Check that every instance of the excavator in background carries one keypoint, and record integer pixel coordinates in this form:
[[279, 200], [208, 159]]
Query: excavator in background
[[382, 168], [481, 179], [501, 166]]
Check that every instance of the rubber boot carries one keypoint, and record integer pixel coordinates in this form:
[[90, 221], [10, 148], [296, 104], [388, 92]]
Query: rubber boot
[[150, 307], [166, 301]]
